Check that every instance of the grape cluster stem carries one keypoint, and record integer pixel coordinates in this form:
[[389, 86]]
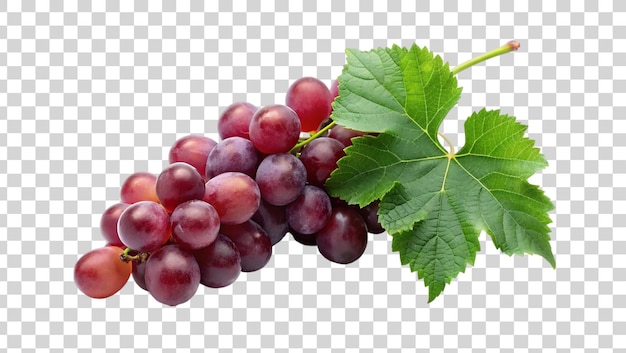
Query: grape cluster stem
[[140, 257]]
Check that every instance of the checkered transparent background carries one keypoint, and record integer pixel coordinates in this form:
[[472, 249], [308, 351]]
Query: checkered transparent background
[[91, 92]]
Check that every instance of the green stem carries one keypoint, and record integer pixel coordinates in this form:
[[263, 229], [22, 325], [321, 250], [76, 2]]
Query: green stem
[[508, 47], [313, 137]]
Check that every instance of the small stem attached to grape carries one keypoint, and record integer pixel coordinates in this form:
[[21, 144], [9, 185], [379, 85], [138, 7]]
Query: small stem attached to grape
[[508, 47], [140, 257], [313, 137]]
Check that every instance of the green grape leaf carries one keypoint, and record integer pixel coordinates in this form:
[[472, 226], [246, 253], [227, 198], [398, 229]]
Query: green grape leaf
[[435, 202]]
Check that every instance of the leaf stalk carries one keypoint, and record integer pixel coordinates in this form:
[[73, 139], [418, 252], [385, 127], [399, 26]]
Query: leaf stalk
[[508, 47]]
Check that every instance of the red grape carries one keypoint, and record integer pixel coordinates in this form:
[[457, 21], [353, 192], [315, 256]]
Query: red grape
[[192, 149], [281, 178], [144, 226], [255, 247], [234, 154], [310, 211], [320, 158], [100, 273], [172, 275], [310, 99], [274, 129], [220, 263], [235, 120], [140, 186], [235, 196], [177, 183], [344, 238], [108, 223], [195, 224]]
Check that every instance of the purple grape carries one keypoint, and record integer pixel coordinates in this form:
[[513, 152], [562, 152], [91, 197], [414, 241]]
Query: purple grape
[[177, 183], [144, 226], [310, 211], [195, 224], [344, 135], [274, 129], [220, 263], [255, 247], [304, 239], [235, 196], [281, 178], [139, 274], [273, 220], [235, 120], [108, 223], [192, 149], [234, 154], [370, 216], [320, 158], [172, 275], [344, 238]]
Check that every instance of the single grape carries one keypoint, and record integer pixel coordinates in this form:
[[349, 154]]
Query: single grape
[[172, 275], [194, 150], [273, 220], [344, 135], [235, 120], [100, 273], [144, 226], [310, 99], [310, 211], [235, 196], [281, 178], [139, 274], [220, 263], [234, 154], [195, 224], [320, 158], [255, 247], [304, 239], [177, 183], [370, 216], [344, 238], [108, 223], [140, 186], [274, 129]]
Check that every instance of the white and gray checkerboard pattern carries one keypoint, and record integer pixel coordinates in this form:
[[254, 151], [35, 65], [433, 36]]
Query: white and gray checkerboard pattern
[[92, 91]]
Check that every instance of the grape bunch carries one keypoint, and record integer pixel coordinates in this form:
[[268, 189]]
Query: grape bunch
[[218, 208]]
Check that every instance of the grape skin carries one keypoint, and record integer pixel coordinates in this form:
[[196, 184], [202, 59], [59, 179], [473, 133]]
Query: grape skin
[[254, 246], [235, 196], [108, 223], [140, 186], [273, 220], [172, 275], [344, 238], [281, 178], [234, 154], [320, 158], [220, 263], [177, 183], [195, 224], [274, 129], [310, 211], [144, 226], [310, 99], [235, 120], [192, 149], [100, 273]]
